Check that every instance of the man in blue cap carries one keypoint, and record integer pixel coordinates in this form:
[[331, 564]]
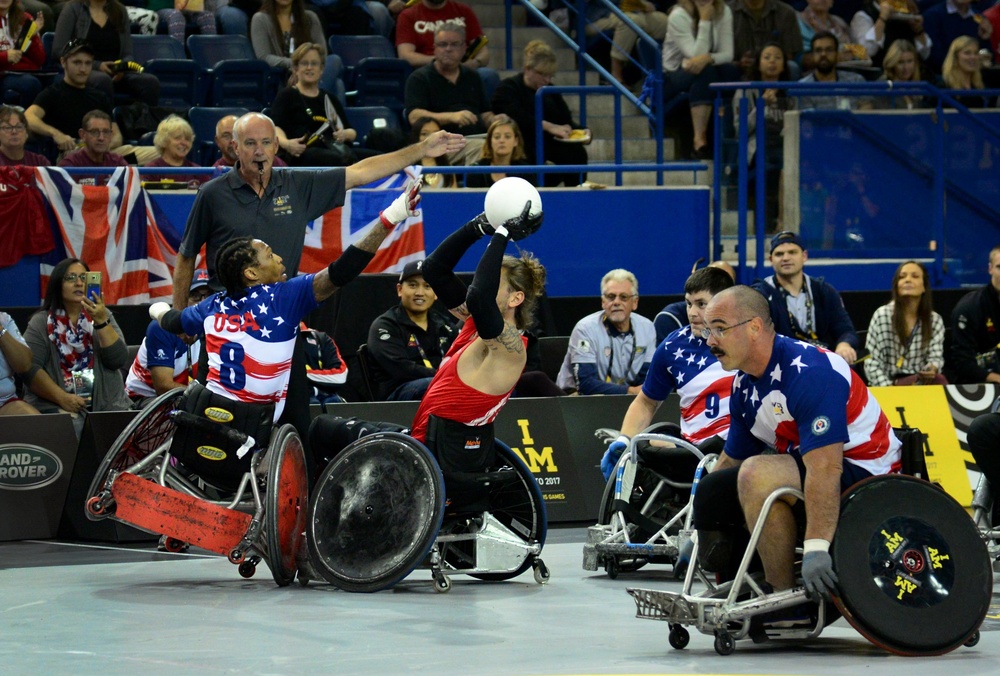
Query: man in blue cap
[[806, 307]]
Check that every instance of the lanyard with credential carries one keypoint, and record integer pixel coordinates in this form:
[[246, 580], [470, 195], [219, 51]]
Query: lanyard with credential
[[420, 349], [628, 365]]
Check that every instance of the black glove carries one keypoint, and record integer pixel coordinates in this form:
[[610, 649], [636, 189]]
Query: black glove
[[481, 225], [521, 226]]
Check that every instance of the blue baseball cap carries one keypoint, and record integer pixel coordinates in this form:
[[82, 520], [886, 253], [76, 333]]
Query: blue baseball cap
[[786, 237], [199, 280]]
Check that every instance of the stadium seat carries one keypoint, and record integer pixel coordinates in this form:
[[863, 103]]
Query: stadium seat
[[203, 121], [353, 48], [237, 76], [182, 84], [381, 81], [366, 118]]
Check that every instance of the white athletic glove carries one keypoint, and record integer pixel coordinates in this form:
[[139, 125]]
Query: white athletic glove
[[403, 206], [158, 309]]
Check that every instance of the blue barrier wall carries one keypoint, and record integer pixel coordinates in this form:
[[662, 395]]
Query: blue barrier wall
[[586, 233]]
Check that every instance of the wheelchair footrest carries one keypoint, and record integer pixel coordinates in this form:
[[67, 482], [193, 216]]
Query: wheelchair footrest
[[636, 549], [671, 607], [159, 509]]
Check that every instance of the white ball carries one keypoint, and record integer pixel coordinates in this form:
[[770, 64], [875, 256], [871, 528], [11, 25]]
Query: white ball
[[506, 199]]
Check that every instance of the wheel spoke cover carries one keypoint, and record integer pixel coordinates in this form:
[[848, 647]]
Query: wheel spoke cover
[[375, 512], [286, 500], [915, 577]]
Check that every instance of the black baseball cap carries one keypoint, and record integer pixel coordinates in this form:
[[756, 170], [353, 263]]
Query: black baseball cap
[[786, 237], [77, 45], [411, 269]]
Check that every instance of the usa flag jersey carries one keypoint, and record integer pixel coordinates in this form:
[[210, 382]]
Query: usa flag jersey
[[809, 397], [683, 362], [250, 340], [160, 348]]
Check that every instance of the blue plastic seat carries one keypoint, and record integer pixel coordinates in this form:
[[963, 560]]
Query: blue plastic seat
[[237, 77], [182, 83], [203, 121]]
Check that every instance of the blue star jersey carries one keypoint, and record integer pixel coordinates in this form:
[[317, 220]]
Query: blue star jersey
[[683, 362], [250, 340], [809, 397]]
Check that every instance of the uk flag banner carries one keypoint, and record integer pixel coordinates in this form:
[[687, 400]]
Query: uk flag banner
[[113, 228], [328, 236]]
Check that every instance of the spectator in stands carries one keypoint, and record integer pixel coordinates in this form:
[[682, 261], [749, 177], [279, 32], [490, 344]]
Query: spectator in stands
[[18, 86], [13, 134], [951, 19], [756, 22], [177, 20], [104, 25], [697, 52], [962, 70], [15, 357], [642, 13], [804, 307], [504, 147], [610, 350], [417, 29], [975, 332], [96, 133], [880, 23], [816, 18], [166, 361], [342, 17], [825, 48], [224, 142], [408, 341], [77, 349], [770, 67], [902, 64], [993, 16], [299, 112], [515, 97], [449, 93], [675, 315], [421, 129], [325, 368], [685, 364], [905, 336], [174, 139], [280, 27]]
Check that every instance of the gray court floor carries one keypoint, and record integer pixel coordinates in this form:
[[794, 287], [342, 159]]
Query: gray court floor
[[83, 609]]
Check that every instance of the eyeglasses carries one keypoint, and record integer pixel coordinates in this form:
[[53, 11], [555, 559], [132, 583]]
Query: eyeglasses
[[720, 333], [99, 132], [623, 297], [310, 64], [449, 45], [10, 129], [74, 276]]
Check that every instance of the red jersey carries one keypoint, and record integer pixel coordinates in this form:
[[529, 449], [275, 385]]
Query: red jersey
[[449, 398], [24, 225], [417, 25]]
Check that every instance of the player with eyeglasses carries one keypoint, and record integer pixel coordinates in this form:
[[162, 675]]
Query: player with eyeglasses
[[610, 350], [825, 432]]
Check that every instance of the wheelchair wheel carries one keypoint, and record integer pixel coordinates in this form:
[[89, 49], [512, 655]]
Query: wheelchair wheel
[[286, 504], [519, 506], [148, 431], [915, 577], [375, 512]]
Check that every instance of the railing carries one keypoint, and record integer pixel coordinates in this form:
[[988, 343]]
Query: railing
[[654, 76], [935, 169]]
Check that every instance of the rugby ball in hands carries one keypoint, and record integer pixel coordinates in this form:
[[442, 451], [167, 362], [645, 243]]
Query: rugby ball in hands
[[506, 199]]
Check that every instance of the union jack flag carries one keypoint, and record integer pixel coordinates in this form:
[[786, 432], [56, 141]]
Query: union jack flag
[[328, 236], [114, 229]]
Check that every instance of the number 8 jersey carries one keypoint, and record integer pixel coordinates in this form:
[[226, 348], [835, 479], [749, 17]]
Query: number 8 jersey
[[250, 340]]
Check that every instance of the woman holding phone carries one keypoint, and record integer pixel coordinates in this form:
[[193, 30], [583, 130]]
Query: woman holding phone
[[77, 349]]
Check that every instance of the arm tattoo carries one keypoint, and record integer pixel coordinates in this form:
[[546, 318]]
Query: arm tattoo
[[373, 238], [510, 339]]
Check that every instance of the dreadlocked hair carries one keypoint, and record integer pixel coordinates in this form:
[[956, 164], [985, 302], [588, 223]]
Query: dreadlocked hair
[[525, 273], [233, 258]]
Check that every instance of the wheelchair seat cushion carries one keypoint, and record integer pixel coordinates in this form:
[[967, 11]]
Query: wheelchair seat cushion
[[211, 455], [464, 452], [676, 464]]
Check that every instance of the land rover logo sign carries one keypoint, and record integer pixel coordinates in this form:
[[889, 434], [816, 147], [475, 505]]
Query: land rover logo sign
[[24, 467]]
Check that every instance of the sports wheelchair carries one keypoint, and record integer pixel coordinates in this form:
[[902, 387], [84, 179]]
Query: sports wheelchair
[[645, 512], [915, 577], [379, 510], [179, 470]]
